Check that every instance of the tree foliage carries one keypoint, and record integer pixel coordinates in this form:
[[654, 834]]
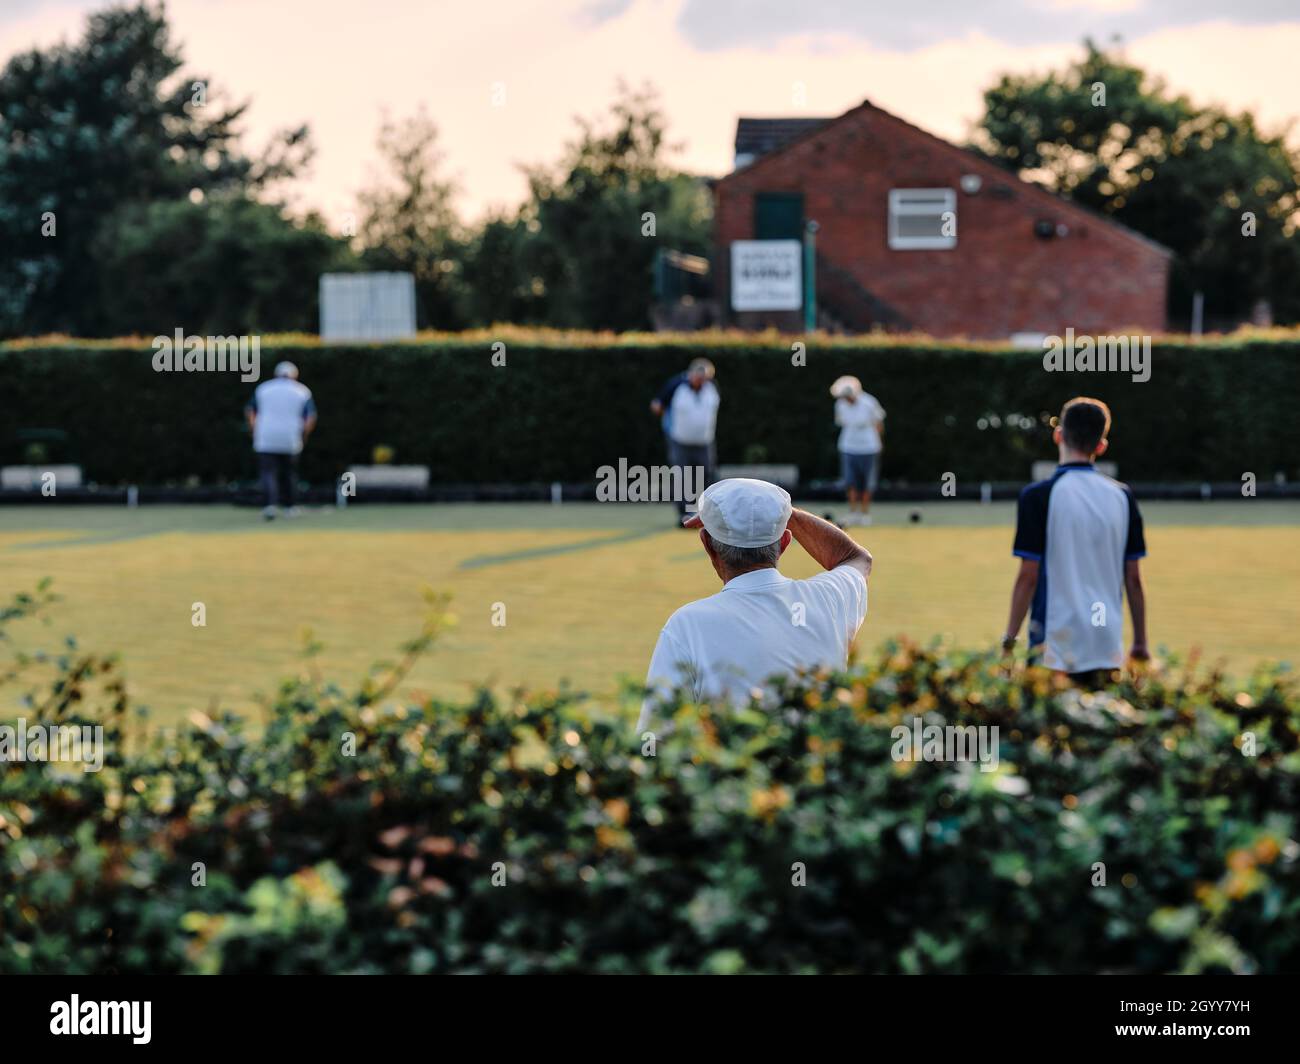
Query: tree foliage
[[129, 204], [587, 236], [98, 134], [409, 220], [226, 265], [1184, 175]]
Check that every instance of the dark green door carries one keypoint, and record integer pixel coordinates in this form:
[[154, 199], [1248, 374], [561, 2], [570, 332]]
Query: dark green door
[[778, 216]]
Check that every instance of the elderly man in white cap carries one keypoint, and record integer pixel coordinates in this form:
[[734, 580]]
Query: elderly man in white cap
[[281, 415], [761, 624]]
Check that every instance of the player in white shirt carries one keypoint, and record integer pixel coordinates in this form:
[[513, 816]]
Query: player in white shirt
[[281, 414], [761, 624], [1080, 542], [862, 424], [687, 407]]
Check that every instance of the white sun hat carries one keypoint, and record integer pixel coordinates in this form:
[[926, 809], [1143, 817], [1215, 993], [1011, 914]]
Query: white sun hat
[[744, 513], [846, 386]]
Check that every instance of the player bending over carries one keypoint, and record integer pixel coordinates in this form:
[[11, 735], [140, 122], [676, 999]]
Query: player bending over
[[862, 425]]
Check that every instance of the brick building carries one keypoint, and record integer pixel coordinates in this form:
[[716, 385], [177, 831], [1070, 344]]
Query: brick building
[[914, 233]]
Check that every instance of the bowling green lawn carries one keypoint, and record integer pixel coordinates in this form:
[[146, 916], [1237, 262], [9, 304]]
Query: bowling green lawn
[[584, 589]]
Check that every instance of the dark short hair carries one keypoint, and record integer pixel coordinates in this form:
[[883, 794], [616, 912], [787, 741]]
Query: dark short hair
[[1085, 423]]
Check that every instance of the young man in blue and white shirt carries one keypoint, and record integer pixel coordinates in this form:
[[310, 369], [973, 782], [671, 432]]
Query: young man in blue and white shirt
[[1079, 539]]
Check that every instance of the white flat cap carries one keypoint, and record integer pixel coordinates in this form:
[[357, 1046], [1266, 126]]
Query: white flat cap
[[744, 513], [846, 386]]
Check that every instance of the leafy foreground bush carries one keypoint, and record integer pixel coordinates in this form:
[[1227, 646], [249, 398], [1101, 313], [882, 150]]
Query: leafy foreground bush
[[531, 834]]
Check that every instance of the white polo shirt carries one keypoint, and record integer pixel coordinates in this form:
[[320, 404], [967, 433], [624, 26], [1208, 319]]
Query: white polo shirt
[[857, 421], [760, 625], [1082, 528], [692, 415], [281, 405]]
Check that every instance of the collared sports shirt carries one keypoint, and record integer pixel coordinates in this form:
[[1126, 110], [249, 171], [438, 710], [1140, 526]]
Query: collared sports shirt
[[760, 625], [1081, 527]]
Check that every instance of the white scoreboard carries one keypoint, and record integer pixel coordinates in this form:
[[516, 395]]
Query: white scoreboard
[[766, 275], [367, 306]]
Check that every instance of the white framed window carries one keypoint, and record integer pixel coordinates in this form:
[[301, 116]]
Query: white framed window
[[922, 218]]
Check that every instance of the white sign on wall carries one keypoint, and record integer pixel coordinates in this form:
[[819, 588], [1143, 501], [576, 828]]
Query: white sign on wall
[[367, 306], [766, 275]]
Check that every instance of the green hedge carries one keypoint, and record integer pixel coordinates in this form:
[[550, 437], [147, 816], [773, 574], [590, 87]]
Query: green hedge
[[559, 411], [392, 860]]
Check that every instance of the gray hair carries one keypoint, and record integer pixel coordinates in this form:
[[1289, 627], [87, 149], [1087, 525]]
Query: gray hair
[[747, 557]]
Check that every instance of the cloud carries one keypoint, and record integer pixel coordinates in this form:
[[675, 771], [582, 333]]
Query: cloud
[[16, 9], [28, 24], [718, 25], [598, 12]]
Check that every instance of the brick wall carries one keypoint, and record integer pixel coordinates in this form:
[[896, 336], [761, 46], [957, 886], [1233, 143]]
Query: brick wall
[[1000, 278]]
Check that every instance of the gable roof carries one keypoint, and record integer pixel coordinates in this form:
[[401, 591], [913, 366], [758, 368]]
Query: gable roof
[[758, 136], [817, 127]]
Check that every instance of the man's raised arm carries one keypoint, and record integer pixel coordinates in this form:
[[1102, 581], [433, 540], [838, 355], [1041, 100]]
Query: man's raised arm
[[829, 546]]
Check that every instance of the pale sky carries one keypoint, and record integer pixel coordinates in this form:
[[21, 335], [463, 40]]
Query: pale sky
[[338, 65]]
